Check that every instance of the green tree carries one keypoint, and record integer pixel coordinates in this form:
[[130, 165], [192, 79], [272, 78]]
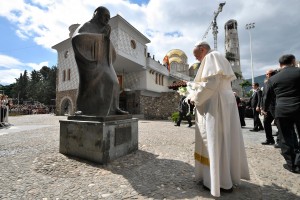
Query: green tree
[[51, 84], [45, 72], [35, 86], [24, 86], [245, 84], [7, 89], [41, 86], [48, 77], [21, 87]]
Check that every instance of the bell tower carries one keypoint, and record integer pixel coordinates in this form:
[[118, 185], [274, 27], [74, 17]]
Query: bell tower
[[232, 52]]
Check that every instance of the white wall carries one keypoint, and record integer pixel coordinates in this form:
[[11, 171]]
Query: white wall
[[156, 86], [65, 63], [122, 35]]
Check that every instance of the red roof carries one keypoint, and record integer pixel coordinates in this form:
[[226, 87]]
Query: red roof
[[177, 84]]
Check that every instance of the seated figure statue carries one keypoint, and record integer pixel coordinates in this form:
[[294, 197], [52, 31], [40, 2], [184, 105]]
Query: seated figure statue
[[98, 93]]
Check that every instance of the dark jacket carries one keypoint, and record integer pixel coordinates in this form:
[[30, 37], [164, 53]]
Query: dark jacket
[[285, 86], [271, 107], [255, 99], [185, 107]]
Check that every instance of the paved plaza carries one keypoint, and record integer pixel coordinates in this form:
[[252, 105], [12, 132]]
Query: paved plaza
[[31, 166]]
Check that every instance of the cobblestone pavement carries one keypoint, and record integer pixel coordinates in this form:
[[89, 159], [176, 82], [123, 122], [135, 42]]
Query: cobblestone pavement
[[32, 168]]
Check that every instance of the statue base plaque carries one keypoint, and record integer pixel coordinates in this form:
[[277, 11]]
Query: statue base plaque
[[98, 139]]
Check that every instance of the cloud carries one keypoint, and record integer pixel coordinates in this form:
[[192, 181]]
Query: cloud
[[170, 24], [9, 62], [37, 67], [8, 76], [12, 67]]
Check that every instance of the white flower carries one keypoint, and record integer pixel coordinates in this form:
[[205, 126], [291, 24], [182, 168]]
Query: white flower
[[182, 91]]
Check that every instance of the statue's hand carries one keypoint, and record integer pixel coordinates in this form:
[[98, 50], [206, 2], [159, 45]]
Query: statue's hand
[[107, 30]]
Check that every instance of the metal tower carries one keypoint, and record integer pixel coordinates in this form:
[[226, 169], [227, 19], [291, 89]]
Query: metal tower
[[214, 26]]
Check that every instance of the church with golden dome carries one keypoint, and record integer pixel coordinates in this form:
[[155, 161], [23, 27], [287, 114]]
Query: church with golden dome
[[147, 86]]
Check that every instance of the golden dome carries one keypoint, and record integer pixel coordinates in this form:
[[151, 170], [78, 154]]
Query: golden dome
[[176, 53], [175, 59]]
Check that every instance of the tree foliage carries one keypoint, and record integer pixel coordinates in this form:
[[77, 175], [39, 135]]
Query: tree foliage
[[7, 89], [38, 86], [245, 84]]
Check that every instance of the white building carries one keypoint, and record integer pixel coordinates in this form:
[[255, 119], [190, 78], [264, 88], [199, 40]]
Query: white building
[[142, 79]]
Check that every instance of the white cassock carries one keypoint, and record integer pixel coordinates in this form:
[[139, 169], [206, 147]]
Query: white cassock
[[220, 157]]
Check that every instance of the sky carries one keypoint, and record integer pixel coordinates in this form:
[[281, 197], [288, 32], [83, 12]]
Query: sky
[[29, 28]]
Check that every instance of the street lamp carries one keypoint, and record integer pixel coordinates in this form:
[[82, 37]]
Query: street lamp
[[249, 27]]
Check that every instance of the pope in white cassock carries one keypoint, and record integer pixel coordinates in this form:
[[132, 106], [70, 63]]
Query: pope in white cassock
[[220, 157]]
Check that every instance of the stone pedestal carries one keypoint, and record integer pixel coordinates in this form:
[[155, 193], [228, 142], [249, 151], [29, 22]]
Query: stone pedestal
[[98, 139]]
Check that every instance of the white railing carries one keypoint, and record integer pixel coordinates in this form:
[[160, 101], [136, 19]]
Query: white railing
[[155, 65]]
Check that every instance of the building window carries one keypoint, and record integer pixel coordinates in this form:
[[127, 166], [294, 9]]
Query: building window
[[159, 79], [133, 44], [69, 74], [64, 75], [66, 54]]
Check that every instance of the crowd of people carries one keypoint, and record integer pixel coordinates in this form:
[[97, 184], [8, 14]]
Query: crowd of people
[[279, 103], [283, 91], [8, 108], [28, 109]]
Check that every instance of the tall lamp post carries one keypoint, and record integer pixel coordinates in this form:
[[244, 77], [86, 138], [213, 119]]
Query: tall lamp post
[[249, 27]]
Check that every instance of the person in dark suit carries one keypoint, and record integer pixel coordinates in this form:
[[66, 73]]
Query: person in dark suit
[[184, 108], [255, 101], [270, 116], [286, 87], [241, 109]]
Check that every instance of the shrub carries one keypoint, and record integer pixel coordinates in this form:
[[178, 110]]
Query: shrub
[[175, 116]]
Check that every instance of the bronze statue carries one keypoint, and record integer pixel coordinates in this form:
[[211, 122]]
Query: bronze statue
[[98, 93]]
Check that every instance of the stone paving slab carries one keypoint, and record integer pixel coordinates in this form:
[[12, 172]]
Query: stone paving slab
[[163, 168]]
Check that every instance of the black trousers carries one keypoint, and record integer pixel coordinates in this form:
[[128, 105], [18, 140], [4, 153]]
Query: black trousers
[[242, 115], [257, 123], [268, 126], [182, 116], [289, 141]]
